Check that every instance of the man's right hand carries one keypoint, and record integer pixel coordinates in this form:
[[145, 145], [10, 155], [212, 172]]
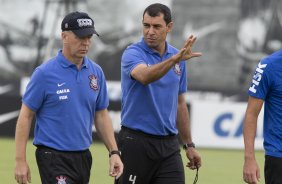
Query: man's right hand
[[186, 52], [251, 172], [22, 172]]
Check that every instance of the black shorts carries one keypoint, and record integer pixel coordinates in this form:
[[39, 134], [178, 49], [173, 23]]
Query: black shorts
[[150, 159], [272, 170], [63, 167]]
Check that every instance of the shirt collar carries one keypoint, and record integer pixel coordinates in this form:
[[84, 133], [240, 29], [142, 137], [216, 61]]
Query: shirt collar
[[151, 51], [65, 63]]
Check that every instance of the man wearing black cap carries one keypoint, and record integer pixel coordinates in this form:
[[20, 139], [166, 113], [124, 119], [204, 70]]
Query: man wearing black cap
[[66, 94]]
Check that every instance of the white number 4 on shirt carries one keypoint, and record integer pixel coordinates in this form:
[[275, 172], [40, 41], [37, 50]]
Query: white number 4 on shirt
[[132, 178]]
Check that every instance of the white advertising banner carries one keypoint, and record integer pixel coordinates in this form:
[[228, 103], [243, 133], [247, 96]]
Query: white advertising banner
[[220, 125]]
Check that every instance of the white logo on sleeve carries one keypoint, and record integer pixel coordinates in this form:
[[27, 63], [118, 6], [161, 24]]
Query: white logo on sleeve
[[257, 77]]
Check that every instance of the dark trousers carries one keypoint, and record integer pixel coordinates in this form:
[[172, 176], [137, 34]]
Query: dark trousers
[[273, 170], [150, 159], [63, 167]]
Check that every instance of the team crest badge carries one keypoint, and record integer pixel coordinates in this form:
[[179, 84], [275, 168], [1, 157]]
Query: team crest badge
[[93, 82], [61, 179], [177, 69]]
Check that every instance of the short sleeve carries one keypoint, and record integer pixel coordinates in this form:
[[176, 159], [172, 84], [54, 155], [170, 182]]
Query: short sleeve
[[183, 78], [102, 99], [261, 81], [35, 91], [130, 59]]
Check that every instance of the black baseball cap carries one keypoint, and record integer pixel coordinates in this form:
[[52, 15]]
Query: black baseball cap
[[79, 23]]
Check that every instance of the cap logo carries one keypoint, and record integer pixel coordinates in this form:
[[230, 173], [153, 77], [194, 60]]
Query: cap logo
[[84, 22]]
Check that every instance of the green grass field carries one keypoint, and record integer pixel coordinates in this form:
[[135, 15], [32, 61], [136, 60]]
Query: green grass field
[[219, 166]]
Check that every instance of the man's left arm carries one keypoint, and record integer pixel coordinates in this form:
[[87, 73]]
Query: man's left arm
[[105, 131], [184, 128]]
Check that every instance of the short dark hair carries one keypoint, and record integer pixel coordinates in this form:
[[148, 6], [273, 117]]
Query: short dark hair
[[156, 9]]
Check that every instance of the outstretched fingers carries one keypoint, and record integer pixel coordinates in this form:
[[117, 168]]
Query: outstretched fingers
[[196, 54], [190, 41], [186, 51]]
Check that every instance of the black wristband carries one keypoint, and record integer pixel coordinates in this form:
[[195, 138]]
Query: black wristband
[[115, 152], [186, 146]]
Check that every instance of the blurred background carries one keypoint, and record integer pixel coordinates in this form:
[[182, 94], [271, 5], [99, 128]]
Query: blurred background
[[233, 36]]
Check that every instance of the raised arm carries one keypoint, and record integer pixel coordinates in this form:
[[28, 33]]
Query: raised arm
[[148, 74]]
